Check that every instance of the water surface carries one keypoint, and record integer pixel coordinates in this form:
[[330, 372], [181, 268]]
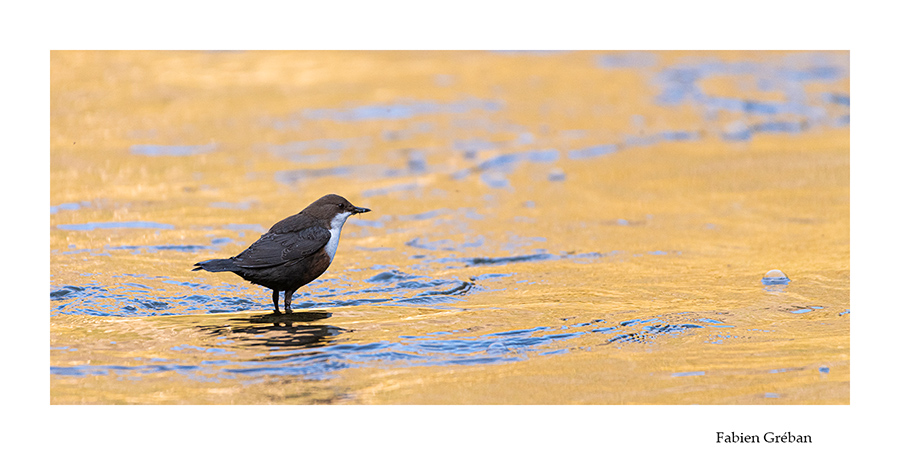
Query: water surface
[[574, 227]]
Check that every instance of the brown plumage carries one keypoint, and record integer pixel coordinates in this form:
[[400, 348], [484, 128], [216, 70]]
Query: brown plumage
[[295, 251]]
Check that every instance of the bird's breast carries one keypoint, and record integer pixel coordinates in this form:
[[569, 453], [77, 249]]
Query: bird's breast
[[331, 246], [337, 223]]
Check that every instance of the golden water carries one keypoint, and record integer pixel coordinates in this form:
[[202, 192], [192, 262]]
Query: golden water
[[546, 227]]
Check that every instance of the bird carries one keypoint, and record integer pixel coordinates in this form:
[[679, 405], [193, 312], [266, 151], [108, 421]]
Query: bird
[[294, 252]]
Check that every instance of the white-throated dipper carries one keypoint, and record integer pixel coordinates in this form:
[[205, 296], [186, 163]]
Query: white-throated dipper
[[295, 251]]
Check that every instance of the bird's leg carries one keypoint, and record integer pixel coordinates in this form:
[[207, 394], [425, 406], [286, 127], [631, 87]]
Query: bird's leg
[[275, 301], [287, 301]]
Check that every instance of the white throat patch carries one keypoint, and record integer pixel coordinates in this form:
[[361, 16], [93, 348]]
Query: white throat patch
[[336, 224]]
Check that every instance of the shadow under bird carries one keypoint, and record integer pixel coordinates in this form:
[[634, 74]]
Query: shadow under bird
[[295, 251]]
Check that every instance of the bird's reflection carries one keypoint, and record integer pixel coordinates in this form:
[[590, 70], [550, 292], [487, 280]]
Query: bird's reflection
[[278, 331]]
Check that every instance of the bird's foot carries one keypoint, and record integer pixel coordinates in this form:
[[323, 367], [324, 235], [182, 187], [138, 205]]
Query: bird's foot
[[288, 311]]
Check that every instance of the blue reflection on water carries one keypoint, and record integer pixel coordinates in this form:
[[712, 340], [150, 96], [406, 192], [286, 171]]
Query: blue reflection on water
[[688, 373], [138, 295], [493, 170], [838, 98], [628, 60], [171, 150], [296, 175], [793, 111], [476, 144], [303, 146], [495, 180], [677, 136], [138, 249], [114, 225], [67, 206], [328, 351], [808, 309], [401, 110], [507, 161], [681, 84], [142, 295], [85, 370], [592, 152], [779, 127], [503, 260]]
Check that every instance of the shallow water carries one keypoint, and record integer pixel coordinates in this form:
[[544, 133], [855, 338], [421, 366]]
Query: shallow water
[[569, 227]]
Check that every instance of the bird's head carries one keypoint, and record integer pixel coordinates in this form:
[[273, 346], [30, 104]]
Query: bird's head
[[333, 207]]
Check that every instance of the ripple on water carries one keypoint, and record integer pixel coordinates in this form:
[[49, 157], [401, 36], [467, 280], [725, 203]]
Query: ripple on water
[[503, 260], [129, 299], [160, 295], [317, 351], [391, 287]]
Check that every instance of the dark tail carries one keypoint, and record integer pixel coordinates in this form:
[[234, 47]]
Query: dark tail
[[216, 265]]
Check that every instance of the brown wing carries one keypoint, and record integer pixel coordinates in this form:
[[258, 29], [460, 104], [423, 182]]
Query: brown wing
[[277, 248]]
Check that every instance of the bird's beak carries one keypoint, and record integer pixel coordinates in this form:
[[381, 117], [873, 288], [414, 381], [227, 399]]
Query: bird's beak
[[360, 210]]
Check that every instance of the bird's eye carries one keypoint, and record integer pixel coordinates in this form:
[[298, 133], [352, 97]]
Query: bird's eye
[[341, 205]]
